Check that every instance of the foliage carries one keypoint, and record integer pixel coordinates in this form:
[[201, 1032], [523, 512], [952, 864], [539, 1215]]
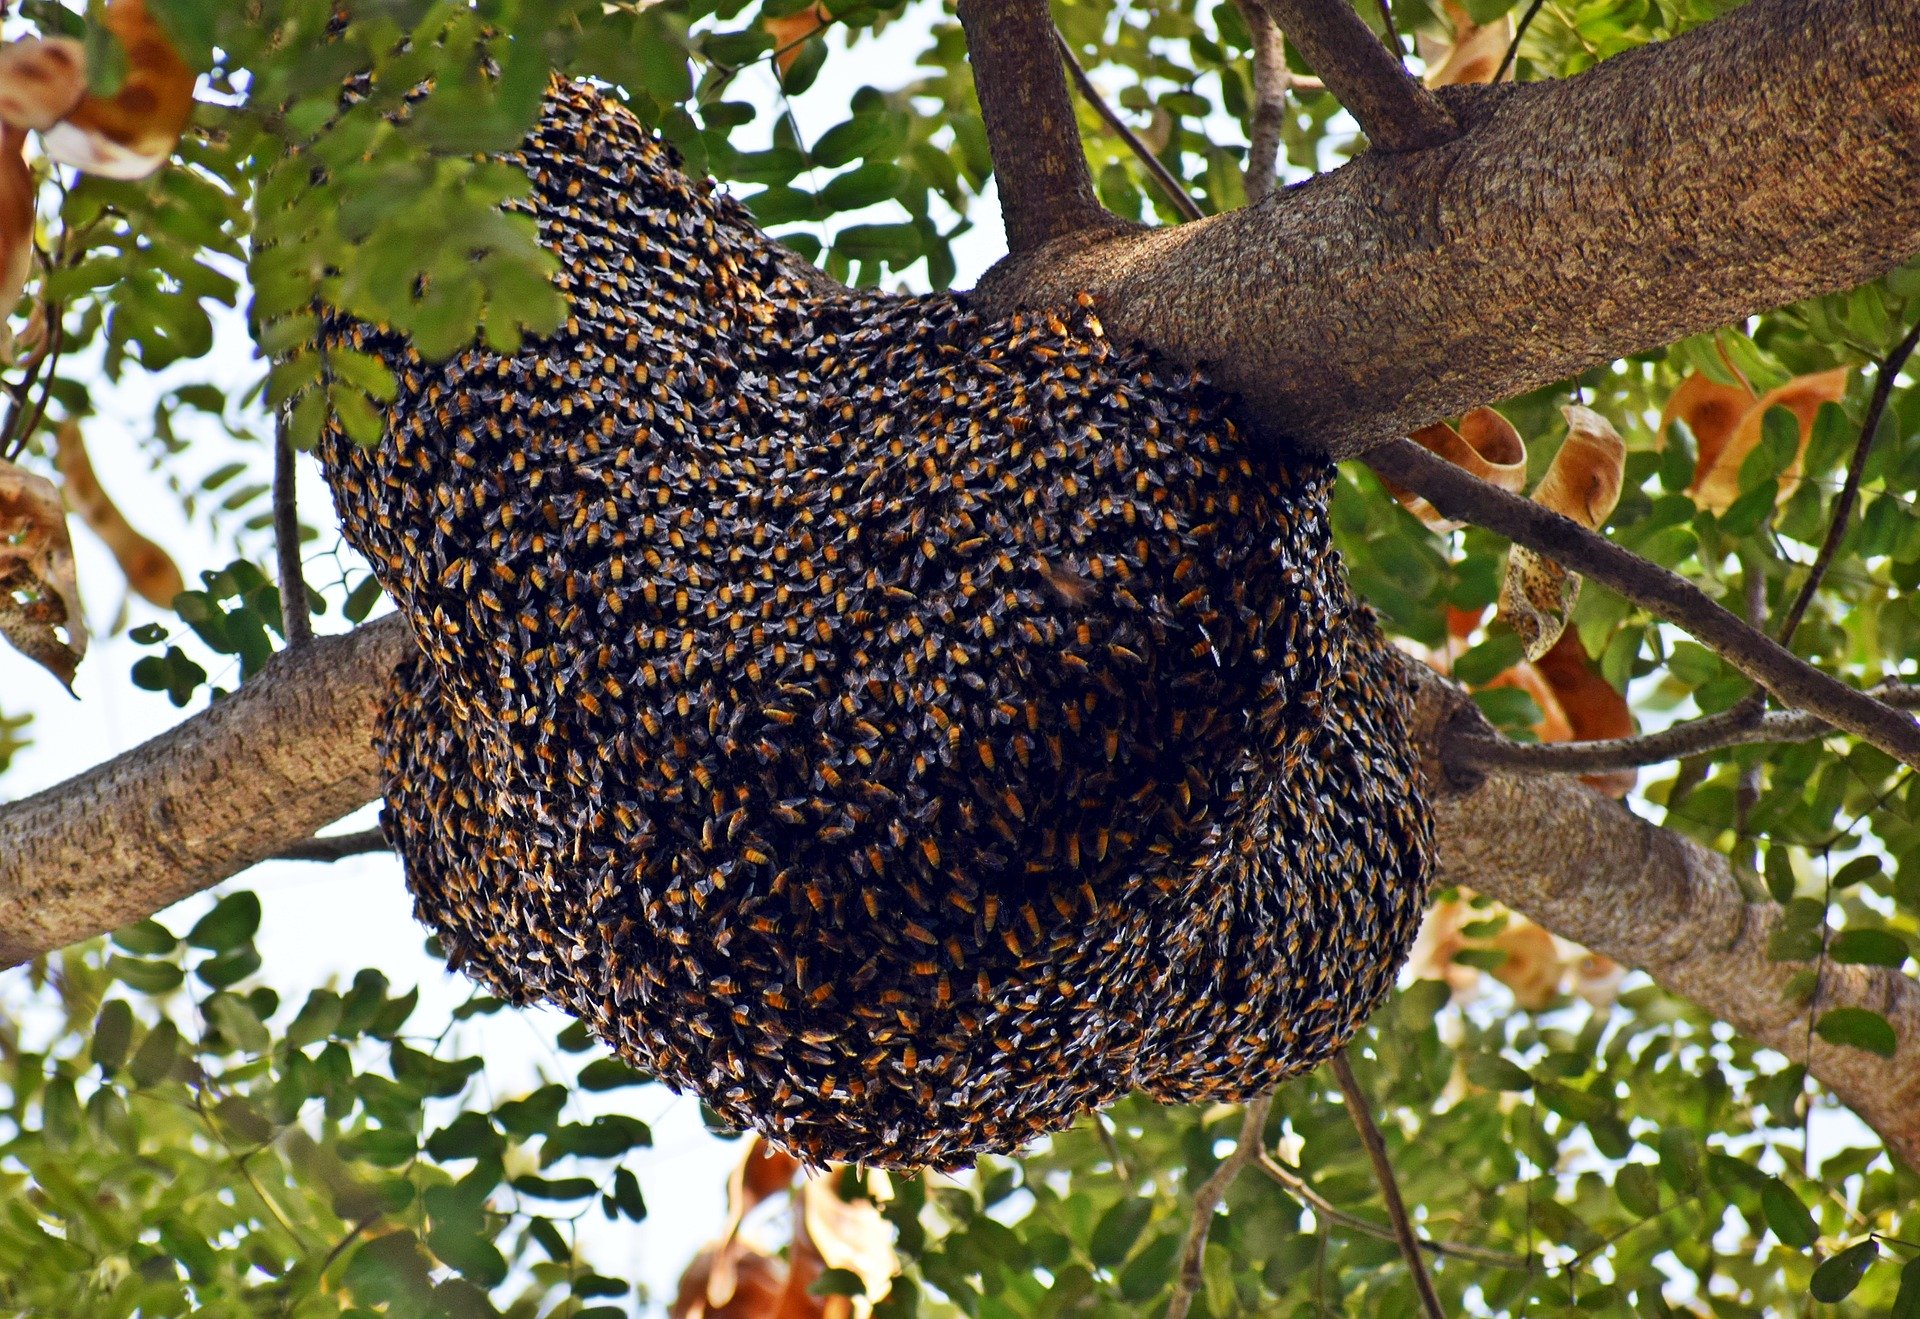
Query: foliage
[[187, 1138]]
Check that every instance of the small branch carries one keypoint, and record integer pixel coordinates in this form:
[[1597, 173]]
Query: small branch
[[296, 619], [1394, 107], [1169, 185], [1301, 1189], [336, 847], [1207, 1199], [1270, 84], [1361, 1111], [1739, 725], [1513, 47], [1461, 496], [1850, 491], [1046, 192]]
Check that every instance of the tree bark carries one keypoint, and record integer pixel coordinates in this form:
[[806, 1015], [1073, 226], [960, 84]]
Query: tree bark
[[287, 754], [1590, 870], [1570, 224], [1765, 157]]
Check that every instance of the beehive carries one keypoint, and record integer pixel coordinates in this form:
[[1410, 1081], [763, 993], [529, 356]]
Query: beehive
[[902, 728]]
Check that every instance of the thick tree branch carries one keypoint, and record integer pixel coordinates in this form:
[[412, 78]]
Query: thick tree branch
[[263, 769], [1170, 186], [1394, 107], [1571, 223], [1046, 191], [1589, 869], [1460, 495]]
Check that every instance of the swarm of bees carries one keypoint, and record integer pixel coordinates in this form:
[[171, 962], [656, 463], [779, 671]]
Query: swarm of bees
[[904, 729]]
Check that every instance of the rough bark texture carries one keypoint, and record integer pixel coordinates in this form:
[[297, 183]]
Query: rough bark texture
[[1671, 190], [1767, 156], [290, 752], [1591, 870], [1395, 108], [1046, 190]]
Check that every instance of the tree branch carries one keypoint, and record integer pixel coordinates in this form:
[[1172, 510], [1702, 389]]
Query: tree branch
[[1460, 495], [1360, 1110], [1402, 289], [1589, 869], [287, 754], [335, 847], [296, 618], [1271, 81], [1843, 503], [1300, 1188], [1207, 1199], [1465, 751], [1046, 192], [1394, 107], [1170, 186]]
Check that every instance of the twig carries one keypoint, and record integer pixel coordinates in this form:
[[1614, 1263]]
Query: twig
[[295, 618], [1270, 83], [336, 847], [1163, 176], [1208, 1198], [1046, 190], [1395, 108], [1513, 47], [1459, 495], [1361, 1111], [1390, 31], [1300, 1188], [1850, 491]]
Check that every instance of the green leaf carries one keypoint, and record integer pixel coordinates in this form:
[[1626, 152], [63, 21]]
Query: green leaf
[[153, 1061], [1858, 1028], [1836, 1277], [560, 1188], [1117, 1231], [112, 1034], [147, 977], [1906, 1304], [610, 1074], [149, 938], [233, 920], [1869, 947], [1787, 1216], [838, 1282]]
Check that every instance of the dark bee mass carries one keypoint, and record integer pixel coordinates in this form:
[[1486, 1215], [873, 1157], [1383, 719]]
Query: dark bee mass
[[904, 729]]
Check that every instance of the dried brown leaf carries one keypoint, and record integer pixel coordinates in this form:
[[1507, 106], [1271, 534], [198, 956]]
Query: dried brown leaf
[[1583, 483], [790, 32], [150, 571], [1534, 966], [1711, 410], [1486, 444], [1716, 481], [42, 80], [850, 1235], [39, 597], [130, 134], [759, 1283], [1473, 53], [1592, 708], [16, 228]]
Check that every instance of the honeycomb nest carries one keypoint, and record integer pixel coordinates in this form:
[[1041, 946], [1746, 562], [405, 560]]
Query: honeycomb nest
[[904, 729]]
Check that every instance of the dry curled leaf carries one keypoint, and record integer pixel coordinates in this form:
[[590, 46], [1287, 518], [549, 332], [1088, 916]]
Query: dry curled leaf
[[850, 1235], [1716, 477], [1589, 705], [16, 228], [150, 571], [42, 81], [1474, 52], [1711, 411], [759, 1283], [1583, 484], [39, 597], [790, 33], [130, 134], [1486, 444]]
